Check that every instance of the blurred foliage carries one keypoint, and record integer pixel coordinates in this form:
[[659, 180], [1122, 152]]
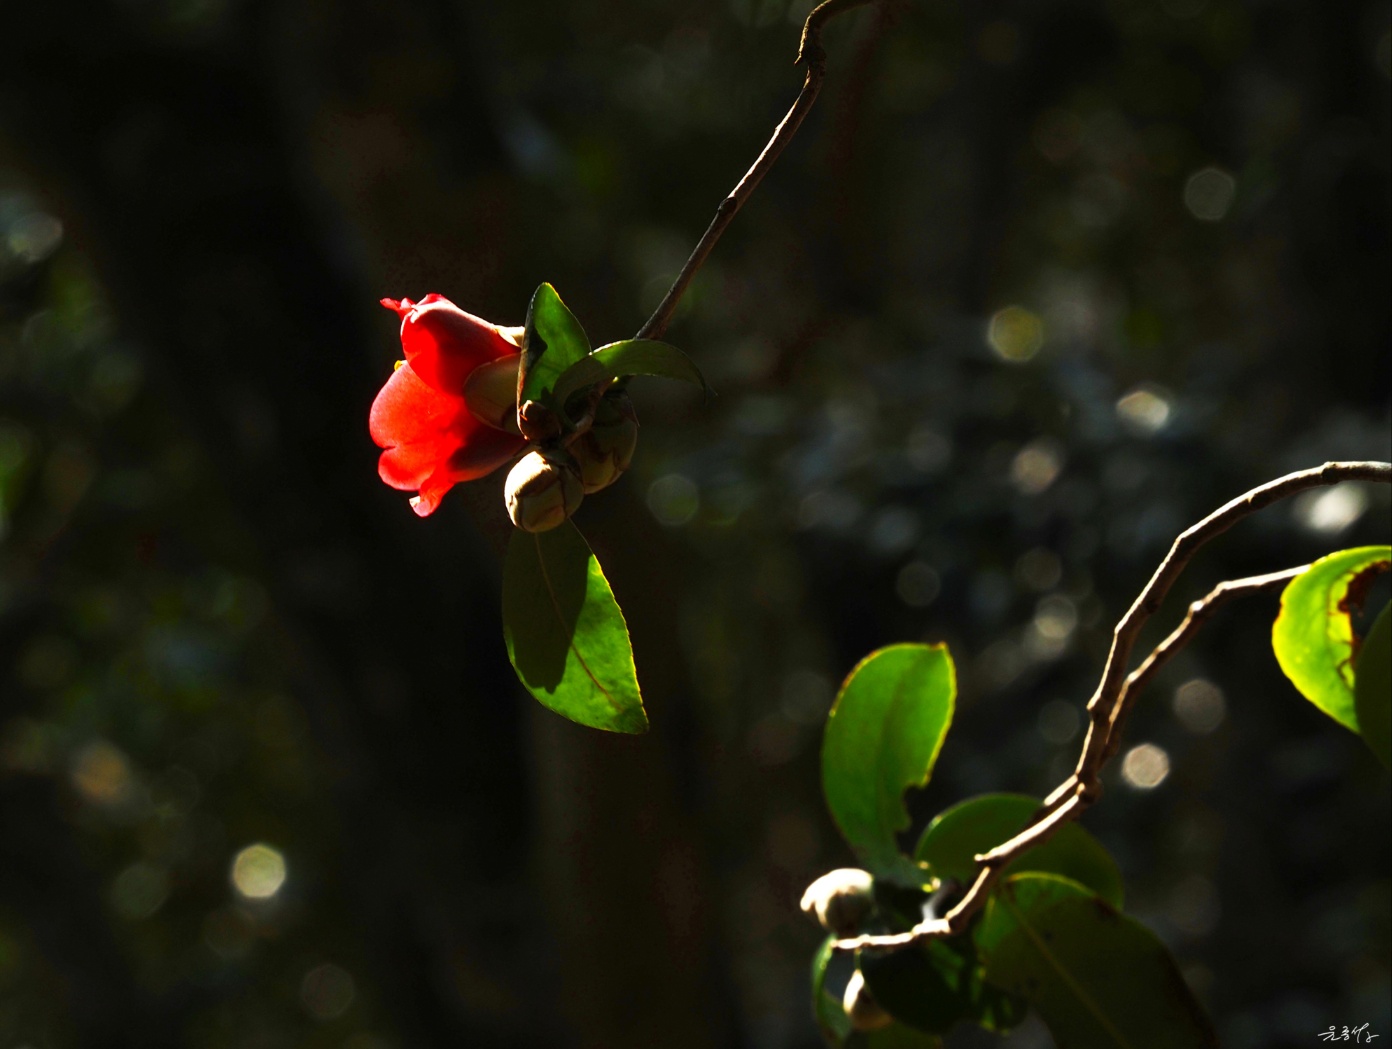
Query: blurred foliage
[[1036, 286]]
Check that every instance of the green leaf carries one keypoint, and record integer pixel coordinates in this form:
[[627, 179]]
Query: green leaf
[[954, 838], [630, 357], [553, 342], [1313, 637], [836, 1025], [924, 987], [1099, 979], [882, 737], [1372, 687], [565, 634], [831, 1017], [938, 985]]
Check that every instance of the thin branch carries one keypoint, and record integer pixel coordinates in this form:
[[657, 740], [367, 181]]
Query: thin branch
[[1116, 692], [809, 52], [1181, 553], [1199, 613]]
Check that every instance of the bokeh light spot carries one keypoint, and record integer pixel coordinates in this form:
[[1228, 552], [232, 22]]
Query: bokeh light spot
[[807, 696], [327, 991], [1209, 194], [35, 237], [1145, 767], [1194, 907], [894, 530], [1039, 569], [1200, 706], [674, 500], [101, 774], [1144, 410], [1331, 511], [917, 584], [139, 890], [1056, 617], [1015, 334], [258, 872], [229, 932], [927, 450], [1036, 466]]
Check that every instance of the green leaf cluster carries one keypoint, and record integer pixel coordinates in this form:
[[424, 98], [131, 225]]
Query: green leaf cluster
[[1052, 936], [565, 634], [557, 362]]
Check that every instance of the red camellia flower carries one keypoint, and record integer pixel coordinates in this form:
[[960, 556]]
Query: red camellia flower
[[421, 417]]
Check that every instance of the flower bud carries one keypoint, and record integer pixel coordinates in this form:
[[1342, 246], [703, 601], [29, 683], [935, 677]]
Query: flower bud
[[840, 900], [542, 490], [864, 1012], [536, 422], [490, 391], [605, 451]]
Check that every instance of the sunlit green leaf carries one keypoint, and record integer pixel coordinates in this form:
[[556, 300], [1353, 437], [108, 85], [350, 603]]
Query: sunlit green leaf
[[631, 357], [1313, 637], [1372, 687], [977, 825], [565, 634], [1099, 979], [882, 737], [554, 340]]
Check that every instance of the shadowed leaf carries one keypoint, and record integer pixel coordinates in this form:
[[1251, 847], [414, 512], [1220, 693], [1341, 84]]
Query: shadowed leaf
[[978, 825], [565, 634], [1099, 979], [937, 986], [836, 1025], [1372, 687]]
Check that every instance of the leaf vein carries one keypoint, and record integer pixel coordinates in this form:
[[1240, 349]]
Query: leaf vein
[[556, 607], [1063, 973]]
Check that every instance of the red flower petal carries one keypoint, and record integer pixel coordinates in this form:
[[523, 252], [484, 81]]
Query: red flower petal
[[428, 501], [408, 466], [486, 450], [432, 440], [407, 411], [443, 343]]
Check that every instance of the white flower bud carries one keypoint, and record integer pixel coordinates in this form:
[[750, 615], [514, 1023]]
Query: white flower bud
[[841, 900], [864, 1012], [542, 490]]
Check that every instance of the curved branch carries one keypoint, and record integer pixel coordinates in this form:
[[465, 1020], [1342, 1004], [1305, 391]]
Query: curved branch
[[1199, 613], [1116, 692], [1190, 541], [810, 52]]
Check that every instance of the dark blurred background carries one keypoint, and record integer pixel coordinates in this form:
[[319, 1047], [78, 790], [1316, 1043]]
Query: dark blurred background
[[1038, 284]]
